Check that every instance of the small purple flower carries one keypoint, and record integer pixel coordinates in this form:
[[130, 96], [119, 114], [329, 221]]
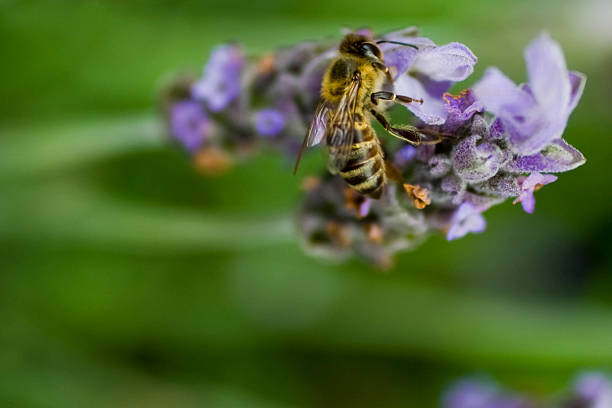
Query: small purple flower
[[364, 207], [220, 84], [460, 109], [404, 155], [470, 394], [474, 161], [428, 73], [189, 124], [439, 165], [481, 394], [557, 157], [529, 185], [269, 122], [467, 218], [535, 114], [496, 131], [453, 187], [595, 389]]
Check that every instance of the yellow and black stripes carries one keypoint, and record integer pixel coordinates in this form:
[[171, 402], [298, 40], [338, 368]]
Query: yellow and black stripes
[[365, 167]]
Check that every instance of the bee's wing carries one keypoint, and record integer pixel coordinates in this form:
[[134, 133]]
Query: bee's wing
[[341, 131], [316, 130]]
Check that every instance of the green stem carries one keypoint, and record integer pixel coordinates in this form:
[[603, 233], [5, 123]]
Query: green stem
[[35, 150], [72, 214]]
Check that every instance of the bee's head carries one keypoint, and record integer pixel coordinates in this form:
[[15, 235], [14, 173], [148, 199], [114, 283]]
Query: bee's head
[[361, 46]]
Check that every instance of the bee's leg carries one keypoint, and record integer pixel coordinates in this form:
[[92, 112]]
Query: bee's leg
[[390, 96], [409, 134]]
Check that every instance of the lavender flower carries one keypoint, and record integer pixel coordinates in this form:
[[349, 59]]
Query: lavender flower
[[535, 114], [460, 109], [220, 84], [529, 185], [593, 390], [501, 139], [470, 394], [466, 219], [269, 122], [428, 72], [189, 124], [590, 390], [481, 394]]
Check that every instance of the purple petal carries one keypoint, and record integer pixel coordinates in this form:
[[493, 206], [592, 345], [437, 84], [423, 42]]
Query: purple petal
[[432, 111], [189, 124], [594, 387], [400, 58], [406, 36], [451, 62], [500, 96], [527, 201], [536, 114], [470, 394], [516, 110], [532, 135], [467, 218], [577, 83], [501, 185], [364, 208], [476, 162], [483, 202], [220, 84], [453, 185], [558, 157], [424, 152], [530, 184], [548, 76], [439, 165], [269, 122], [497, 131], [537, 179], [460, 109], [404, 155]]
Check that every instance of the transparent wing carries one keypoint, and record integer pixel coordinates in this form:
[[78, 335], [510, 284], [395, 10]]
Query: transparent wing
[[316, 130], [341, 131]]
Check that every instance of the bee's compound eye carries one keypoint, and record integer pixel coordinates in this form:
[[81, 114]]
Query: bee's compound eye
[[371, 49]]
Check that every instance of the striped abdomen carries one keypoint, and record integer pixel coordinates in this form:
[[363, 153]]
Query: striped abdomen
[[365, 167]]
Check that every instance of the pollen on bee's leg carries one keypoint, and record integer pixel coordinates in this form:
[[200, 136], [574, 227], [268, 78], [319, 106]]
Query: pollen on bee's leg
[[419, 195]]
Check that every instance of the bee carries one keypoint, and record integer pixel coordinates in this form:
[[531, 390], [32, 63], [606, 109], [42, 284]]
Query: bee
[[351, 96]]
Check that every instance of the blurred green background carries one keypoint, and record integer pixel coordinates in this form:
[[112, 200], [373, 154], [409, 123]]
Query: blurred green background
[[127, 280]]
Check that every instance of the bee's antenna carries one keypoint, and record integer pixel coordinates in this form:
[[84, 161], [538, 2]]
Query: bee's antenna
[[396, 42]]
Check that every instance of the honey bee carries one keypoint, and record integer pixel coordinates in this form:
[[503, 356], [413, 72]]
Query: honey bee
[[351, 92]]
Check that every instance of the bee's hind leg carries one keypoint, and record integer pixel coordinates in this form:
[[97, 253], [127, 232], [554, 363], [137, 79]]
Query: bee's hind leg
[[390, 96], [409, 134]]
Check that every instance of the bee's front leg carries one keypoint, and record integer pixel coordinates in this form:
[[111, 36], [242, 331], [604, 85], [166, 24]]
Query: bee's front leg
[[408, 134], [390, 96]]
